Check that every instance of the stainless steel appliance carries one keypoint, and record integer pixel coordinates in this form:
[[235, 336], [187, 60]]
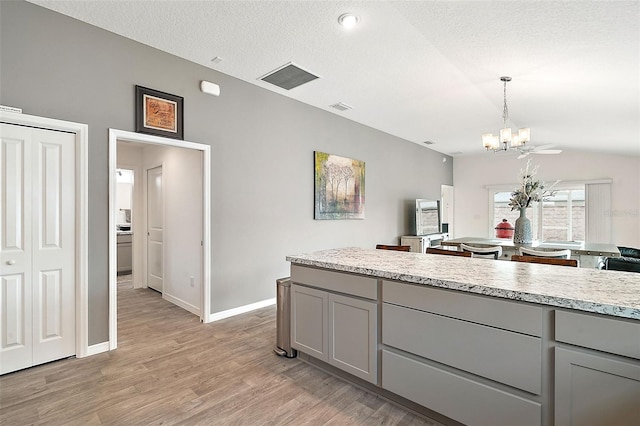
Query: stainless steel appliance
[[283, 318]]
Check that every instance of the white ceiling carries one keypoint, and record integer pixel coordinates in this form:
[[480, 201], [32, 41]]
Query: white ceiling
[[419, 70]]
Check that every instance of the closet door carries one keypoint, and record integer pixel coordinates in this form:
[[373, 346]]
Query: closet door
[[37, 294]]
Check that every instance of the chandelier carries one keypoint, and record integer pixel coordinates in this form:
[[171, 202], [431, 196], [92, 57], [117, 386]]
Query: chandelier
[[505, 139]]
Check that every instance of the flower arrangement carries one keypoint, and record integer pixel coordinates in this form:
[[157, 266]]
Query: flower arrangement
[[531, 189]]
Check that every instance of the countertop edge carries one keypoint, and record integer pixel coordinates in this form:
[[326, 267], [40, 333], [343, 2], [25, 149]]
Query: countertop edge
[[574, 304]]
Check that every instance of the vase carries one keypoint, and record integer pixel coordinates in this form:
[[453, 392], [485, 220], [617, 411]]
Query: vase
[[522, 233]]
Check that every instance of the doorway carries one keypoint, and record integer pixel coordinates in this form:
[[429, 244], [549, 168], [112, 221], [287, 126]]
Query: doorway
[[167, 251], [124, 210]]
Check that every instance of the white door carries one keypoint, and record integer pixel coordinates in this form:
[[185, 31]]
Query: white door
[[446, 204], [154, 229], [37, 248]]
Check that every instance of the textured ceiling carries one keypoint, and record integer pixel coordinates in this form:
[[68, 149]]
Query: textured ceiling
[[419, 70]]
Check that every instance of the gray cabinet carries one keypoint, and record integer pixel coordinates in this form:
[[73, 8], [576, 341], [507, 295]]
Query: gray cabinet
[[124, 254], [476, 359], [455, 395], [353, 336], [592, 389], [464, 356], [597, 370], [309, 321], [340, 329]]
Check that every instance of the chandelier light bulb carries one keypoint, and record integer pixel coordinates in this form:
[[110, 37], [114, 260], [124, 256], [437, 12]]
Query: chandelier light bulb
[[516, 140], [505, 135], [487, 140]]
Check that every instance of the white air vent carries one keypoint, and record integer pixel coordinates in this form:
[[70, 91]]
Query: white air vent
[[288, 76], [341, 106]]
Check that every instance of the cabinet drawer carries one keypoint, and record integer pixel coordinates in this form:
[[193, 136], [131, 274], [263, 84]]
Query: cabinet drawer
[[340, 282], [454, 396], [618, 337], [506, 357], [513, 316], [124, 238]]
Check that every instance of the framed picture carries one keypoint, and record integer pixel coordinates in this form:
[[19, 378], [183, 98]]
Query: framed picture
[[159, 113], [339, 187]]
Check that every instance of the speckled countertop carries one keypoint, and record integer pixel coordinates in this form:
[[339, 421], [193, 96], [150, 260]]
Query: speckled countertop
[[591, 290]]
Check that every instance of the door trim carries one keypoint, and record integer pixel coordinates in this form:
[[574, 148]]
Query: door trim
[[116, 135], [81, 209]]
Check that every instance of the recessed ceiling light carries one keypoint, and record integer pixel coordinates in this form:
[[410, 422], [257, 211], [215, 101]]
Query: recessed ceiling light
[[348, 20]]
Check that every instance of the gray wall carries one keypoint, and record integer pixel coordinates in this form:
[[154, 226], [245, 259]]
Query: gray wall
[[262, 151]]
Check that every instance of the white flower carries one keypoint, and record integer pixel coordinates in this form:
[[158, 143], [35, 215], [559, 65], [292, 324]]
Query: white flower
[[531, 189]]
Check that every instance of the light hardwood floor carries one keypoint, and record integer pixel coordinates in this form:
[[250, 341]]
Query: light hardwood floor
[[169, 369]]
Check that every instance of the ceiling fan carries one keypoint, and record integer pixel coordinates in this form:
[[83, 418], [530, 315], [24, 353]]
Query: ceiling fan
[[542, 149]]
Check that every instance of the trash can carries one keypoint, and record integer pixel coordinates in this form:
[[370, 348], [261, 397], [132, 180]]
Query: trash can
[[283, 318]]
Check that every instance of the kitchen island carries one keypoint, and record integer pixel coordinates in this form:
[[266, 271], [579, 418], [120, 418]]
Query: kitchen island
[[475, 340]]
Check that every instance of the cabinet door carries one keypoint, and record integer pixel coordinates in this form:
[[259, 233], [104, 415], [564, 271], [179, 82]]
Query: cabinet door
[[595, 390], [124, 256], [309, 321], [353, 336]]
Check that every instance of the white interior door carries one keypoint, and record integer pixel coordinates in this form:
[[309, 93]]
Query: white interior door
[[37, 298], [446, 205], [154, 229]]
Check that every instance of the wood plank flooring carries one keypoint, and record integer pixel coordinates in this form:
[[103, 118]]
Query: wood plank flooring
[[169, 369]]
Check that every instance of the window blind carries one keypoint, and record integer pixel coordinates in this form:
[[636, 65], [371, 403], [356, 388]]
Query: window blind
[[598, 213]]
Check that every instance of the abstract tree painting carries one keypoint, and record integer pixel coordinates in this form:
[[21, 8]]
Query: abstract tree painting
[[339, 187]]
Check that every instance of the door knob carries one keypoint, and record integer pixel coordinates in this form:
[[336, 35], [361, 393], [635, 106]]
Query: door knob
[[11, 262]]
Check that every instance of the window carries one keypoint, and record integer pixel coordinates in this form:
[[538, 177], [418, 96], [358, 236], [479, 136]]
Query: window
[[563, 216], [560, 218]]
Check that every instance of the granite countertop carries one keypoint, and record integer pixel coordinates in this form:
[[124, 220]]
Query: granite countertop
[[605, 292]]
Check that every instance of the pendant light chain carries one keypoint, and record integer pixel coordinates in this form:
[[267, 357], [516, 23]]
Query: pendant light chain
[[505, 111]]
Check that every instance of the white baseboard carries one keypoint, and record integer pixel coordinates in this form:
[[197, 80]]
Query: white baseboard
[[240, 310], [184, 305], [98, 348]]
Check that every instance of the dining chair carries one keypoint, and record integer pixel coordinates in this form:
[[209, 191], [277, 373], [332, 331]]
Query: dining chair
[[393, 247], [434, 250], [493, 252], [545, 260], [556, 254]]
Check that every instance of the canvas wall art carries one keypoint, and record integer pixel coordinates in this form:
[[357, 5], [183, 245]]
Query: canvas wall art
[[339, 187]]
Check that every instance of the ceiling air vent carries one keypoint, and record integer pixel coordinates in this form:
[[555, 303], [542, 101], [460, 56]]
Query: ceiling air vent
[[288, 76], [341, 106]]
